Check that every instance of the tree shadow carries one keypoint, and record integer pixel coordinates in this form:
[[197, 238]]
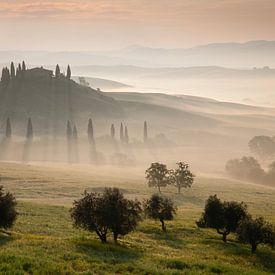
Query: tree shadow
[[4, 239], [110, 252]]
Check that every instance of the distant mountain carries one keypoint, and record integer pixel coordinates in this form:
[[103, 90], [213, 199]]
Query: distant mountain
[[250, 54]]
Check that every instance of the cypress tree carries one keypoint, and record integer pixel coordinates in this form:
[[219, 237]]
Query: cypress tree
[[145, 132], [121, 133], [69, 72], [19, 68], [90, 130], [5, 78], [69, 131], [57, 71], [113, 131], [75, 133], [29, 135], [12, 70], [8, 129], [126, 137], [23, 66]]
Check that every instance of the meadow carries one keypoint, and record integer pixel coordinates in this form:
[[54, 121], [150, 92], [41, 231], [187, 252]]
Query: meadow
[[44, 241]]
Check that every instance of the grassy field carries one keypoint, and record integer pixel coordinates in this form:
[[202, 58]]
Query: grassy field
[[44, 241]]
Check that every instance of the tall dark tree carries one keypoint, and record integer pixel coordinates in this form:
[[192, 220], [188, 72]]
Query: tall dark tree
[[222, 216], [160, 208], [113, 131], [69, 134], [57, 71], [8, 213], [23, 66], [90, 131], [126, 136], [5, 78], [29, 134], [12, 70], [157, 175], [145, 132], [256, 232], [8, 129], [68, 72], [121, 133], [75, 134]]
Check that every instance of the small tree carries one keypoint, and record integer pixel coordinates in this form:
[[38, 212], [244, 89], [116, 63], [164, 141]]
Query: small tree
[[113, 131], [68, 72], [23, 66], [222, 216], [160, 208], [126, 136], [256, 232], [157, 175], [57, 71], [12, 69], [182, 176], [121, 133], [145, 132], [90, 131], [107, 212], [8, 213], [29, 134], [122, 215], [8, 129]]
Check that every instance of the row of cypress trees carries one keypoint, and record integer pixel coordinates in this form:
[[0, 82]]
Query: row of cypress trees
[[72, 133], [9, 74]]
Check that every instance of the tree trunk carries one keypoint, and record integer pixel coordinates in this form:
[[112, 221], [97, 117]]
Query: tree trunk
[[178, 189], [253, 248], [159, 189], [163, 226], [115, 235], [224, 235], [102, 236]]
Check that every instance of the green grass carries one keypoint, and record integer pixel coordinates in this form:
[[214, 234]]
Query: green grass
[[43, 240]]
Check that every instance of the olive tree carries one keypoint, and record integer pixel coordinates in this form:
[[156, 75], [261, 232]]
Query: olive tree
[[157, 175], [160, 208], [107, 212], [8, 213], [182, 176], [222, 216], [255, 232]]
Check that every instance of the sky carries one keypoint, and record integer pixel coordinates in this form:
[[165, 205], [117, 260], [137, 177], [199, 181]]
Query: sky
[[76, 25]]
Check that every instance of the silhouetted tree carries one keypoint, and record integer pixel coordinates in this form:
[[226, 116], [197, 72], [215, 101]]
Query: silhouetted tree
[[68, 72], [121, 133], [75, 144], [29, 134], [246, 168], [263, 146], [69, 134], [90, 131], [75, 134], [145, 132], [256, 232], [23, 66], [107, 212], [57, 71], [113, 131], [222, 216], [160, 208], [12, 69], [157, 175], [126, 136], [5, 78], [8, 128], [182, 176], [8, 213]]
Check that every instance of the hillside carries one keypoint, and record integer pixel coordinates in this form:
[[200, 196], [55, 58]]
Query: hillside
[[51, 101]]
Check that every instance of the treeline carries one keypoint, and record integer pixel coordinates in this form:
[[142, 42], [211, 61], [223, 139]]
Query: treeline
[[10, 74]]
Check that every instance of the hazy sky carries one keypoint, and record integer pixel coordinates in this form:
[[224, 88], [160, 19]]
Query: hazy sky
[[107, 24]]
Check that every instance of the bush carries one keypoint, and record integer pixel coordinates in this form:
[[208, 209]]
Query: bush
[[222, 216], [107, 212], [8, 213], [256, 232], [160, 208]]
